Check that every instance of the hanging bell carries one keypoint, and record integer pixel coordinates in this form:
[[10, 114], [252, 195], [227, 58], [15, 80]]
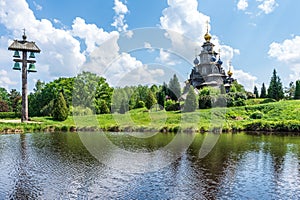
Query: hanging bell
[[31, 68], [16, 54], [31, 55], [17, 66]]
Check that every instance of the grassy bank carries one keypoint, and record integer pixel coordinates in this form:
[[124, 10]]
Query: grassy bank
[[283, 116]]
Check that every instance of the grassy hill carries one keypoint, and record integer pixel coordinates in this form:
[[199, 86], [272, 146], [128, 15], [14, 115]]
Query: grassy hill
[[283, 116]]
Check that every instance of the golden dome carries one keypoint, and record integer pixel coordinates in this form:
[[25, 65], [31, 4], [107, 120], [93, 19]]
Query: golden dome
[[207, 37], [229, 73]]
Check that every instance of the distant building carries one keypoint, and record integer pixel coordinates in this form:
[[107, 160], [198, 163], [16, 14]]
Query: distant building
[[208, 70]]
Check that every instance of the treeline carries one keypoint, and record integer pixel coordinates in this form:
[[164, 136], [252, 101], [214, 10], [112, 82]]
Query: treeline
[[277, 91], [88, 93]]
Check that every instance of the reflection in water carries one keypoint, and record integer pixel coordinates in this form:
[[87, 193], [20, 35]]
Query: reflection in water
[[240, 166]]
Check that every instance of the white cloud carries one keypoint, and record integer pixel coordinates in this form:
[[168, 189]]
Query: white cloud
[[245, 78], [268, 6], [92, 35], [288, 52], [37, 6], [186, 27], [167, 58], [119, 19], [59, 50], [5, 81], [242, 5]]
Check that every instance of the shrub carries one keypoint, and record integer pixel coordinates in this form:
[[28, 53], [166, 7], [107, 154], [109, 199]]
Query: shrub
[[140, 104], [268, 100], [256, 115], [4, 115], [81, 111], [172, 106]]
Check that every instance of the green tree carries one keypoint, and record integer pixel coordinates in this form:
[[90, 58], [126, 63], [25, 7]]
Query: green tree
[[15, 100], [255, 91], [103, 96], [275, 90], [4, 95], [297, 90], [290, 91], [263, 91], [3, 106], [174, 88], [60, 109], [150, 100], [161, 96], [123, 107], [191, 103]]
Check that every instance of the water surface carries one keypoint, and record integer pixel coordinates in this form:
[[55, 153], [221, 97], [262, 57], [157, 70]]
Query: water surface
[[240, 166]]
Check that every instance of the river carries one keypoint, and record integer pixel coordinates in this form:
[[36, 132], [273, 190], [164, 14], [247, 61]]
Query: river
[[71, 166]]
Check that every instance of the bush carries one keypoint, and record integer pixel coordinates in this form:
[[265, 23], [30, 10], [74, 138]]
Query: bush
[[140, 104], [256, 115], [172, 106], [81, 111], [268, 100], [4, 115]]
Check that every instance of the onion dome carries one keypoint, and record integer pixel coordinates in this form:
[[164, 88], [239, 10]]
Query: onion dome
[[220, 62], [196, 61], [229, 73], [213, 59], [207, 37]]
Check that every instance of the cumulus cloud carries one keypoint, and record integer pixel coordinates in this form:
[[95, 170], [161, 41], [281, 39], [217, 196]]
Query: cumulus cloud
[[288, 52], [119, 19], [37, 6], [245, 78], [186, 27], [90, 33], [5, 81], [63, 55], [167, 58], [242, 5], [268, 6]]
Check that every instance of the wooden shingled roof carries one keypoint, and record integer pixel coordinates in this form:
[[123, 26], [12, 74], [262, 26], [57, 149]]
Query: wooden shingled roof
[[24, 46]]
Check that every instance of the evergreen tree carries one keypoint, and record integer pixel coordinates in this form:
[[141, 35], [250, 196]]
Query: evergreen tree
[[60, 109], [275, 90], [255, 92], [263, 91], [297, 90], [191, 103], [150, 100], [290, 91], [174, 88], [161, 98], [123, 107]]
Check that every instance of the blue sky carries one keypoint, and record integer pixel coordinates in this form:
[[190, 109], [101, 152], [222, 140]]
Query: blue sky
[[145, 42]]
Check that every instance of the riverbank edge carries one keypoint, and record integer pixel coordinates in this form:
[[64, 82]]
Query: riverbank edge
[[256, 128]]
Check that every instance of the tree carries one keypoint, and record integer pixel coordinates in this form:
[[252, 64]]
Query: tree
[[3, 106], [15, 100], [123, 107], [190, 104], [60, 109], [297, 90], [161, 98], [275, 90], [150, 100], [103, 96], [263, 91], [290, 91], [255, 92], [174, 88]]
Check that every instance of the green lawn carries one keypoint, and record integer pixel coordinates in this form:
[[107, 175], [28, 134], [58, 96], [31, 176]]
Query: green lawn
[[259, 116]]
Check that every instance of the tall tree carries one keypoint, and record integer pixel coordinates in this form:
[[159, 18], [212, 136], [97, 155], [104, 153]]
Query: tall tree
[[150, 100], [191, 103], [275, 90], [174, 88], [103, 96], [263, 91], [60, 109], [297, 90], [161, 97], [15, 100], [255, 91]]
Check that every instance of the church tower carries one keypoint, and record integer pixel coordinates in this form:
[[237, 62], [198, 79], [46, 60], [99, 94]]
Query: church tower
[[208, 70]]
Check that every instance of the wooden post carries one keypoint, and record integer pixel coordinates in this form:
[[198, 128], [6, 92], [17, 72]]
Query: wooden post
[[24, 117]]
